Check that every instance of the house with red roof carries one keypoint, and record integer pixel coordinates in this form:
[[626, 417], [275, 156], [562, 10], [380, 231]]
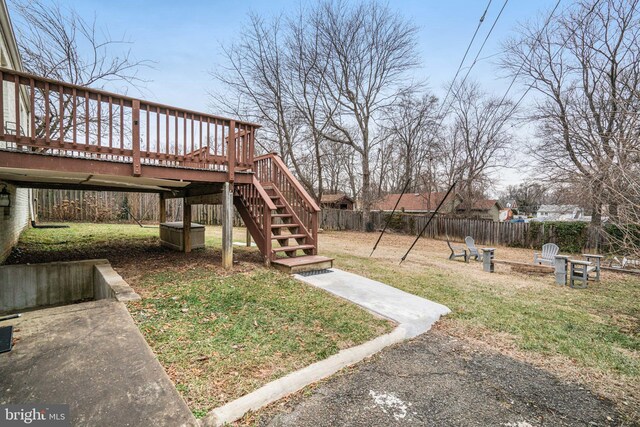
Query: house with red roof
[[418, 203]]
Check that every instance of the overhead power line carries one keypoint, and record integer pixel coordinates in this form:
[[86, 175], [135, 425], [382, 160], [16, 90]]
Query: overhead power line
[[464, 57], [475, 60]]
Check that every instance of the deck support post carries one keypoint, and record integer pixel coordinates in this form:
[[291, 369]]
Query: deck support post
[[163, 208], [248, 238], [227, 225], [186, 226]]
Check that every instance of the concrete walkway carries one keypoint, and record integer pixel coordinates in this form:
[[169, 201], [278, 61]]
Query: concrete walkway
[[92, 357], [416, 314]]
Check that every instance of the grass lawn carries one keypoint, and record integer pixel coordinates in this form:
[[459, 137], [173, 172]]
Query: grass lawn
[[218, 334], [591, 335]]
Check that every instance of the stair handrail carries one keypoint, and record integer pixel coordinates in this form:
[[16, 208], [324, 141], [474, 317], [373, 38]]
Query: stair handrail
[[270, 205], [275, 158]]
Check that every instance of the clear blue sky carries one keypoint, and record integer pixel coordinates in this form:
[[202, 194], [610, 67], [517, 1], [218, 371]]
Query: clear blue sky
[[183, 39]]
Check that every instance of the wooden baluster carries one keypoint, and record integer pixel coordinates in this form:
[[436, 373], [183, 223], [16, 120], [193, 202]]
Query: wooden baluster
[[175, 145], [86, 120], [166, 142], [157, 131], [200, 150], [110, 124], [47, 134], [122, 124], [231, 151], [192, 136], [17, 106], [184, 136], [135, 136], [215, 138], [99, 122], [148, 126], [74, 114], [32, 112]]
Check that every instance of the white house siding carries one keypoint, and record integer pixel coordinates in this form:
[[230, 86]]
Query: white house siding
[[12, 225], [18, 218]]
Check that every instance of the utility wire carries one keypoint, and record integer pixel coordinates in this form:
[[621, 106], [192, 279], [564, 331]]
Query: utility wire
[[515, 77], [475, 60], [466, 52]]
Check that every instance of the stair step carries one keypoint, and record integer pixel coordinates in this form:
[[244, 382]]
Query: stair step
[[273, 196], [280, 206], [281, 215], [285, 226], [292, 248], [288, 236], [302, 264]]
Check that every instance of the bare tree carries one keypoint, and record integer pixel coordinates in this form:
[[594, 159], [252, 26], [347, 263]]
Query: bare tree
[[59, 44], [623, 189], [368, 50], [319, 81], [584, 68], [410, 126], [477, 141], [529, 195]]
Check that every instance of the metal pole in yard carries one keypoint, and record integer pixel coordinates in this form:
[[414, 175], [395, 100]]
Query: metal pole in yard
[[429, 222], [390, 216]]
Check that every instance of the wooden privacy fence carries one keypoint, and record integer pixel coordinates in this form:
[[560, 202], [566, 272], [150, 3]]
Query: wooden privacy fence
[[484, 232], [107, 206]]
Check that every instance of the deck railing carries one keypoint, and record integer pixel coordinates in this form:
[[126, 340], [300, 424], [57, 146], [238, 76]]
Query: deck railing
[[43, 115]]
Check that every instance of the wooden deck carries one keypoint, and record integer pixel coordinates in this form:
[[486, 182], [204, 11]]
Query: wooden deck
[[63, 136]]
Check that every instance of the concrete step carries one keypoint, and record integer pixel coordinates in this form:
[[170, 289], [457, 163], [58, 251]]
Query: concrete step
[[302, 264]]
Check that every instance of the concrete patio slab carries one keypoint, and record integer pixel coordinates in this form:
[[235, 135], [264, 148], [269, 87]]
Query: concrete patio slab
[[415, 313], [93, 357]]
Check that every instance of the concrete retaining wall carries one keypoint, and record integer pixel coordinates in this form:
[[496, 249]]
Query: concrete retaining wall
[[28, 286]]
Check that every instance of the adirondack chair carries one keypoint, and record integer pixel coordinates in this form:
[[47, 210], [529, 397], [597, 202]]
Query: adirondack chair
[[549, 251], [458, 252], [473, 250]]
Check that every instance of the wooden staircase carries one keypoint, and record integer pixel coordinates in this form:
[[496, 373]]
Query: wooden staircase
[[281, 217]]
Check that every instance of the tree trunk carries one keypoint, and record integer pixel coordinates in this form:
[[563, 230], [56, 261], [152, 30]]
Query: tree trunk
[[366, 193]]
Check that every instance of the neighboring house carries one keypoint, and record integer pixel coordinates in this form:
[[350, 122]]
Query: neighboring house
[[483, 209], [510, 204], [561, 213], [336, 201], [14, 219], [506, 214], [417, 202]]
